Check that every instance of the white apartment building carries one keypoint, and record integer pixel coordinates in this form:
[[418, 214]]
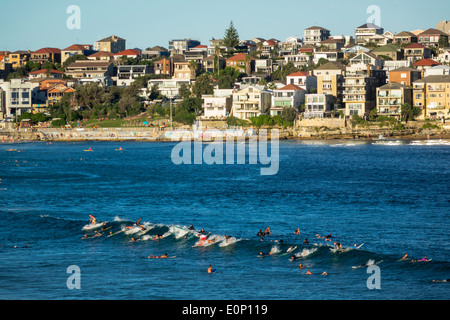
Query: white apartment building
[[217, 105], [16, 97], [251, 101], [127, 74]]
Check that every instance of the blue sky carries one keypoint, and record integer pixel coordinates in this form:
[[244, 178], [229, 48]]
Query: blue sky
[[31, 25]]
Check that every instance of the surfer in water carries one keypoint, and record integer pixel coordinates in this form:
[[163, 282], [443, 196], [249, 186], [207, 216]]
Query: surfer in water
[[93, 219], [210, 269], [164, 256]]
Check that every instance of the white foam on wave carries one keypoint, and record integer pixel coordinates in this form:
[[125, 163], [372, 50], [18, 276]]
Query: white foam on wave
[[305, 252]]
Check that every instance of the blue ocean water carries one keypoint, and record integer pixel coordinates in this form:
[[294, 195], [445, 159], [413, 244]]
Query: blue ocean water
[[391, 196]]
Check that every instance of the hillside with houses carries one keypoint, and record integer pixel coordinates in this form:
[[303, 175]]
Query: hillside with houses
[[369, 74]]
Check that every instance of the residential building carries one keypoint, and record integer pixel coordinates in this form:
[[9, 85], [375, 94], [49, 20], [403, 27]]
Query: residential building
[[367, 30], [432, 95], [169, 87], [391, 97], [425, 64], [45, 55], [405, 37], [318, 105], [163, 66], [251, 101], [333, 44], [330, 81], [55, 93], [300, 60], [269, 48], [209, 64], [129, 54], [391, 65], [113, 44], [359, 93], [196, 54], [252, 80], [352, 50], [183, 70], [315, 35], [416, 51], [218, 105], [443, 26], [431, 37], [444, 57], [289, 96], [263, 66], [155, 52], [392, 51], [90, 69], [378, 39], [16, 97], [327, 54], [404, 75], [367, 58], [303, 79], [19, 58], [126, 74], [46, 73], [290, 46], [102, 56], [440, 70], [76, 49], [242, 62], [103, 81], [179, 46]]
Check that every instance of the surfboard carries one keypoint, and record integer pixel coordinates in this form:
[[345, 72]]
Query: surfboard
[[291, 250], [92, 226], [114, 234]]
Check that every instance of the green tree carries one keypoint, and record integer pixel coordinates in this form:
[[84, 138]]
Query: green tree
[[231, 38], [443, 42], [289, 114], [73, 59], [409, 112], [282, 72], [203, 85]]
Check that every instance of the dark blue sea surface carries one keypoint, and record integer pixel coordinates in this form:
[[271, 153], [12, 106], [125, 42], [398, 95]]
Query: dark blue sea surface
[[391, 196]]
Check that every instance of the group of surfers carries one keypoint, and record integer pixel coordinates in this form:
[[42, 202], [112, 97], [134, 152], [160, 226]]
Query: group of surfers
[[203, 240]]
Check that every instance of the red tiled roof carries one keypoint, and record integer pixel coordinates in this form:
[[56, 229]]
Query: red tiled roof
[[128, 52], [269, 43], [200, 47], [415, 46], [426, 62], [238, 57], [432, 31], [42, 71], [299, 74], [76, 47], [60, 88], [48, 50], [291, 87]]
